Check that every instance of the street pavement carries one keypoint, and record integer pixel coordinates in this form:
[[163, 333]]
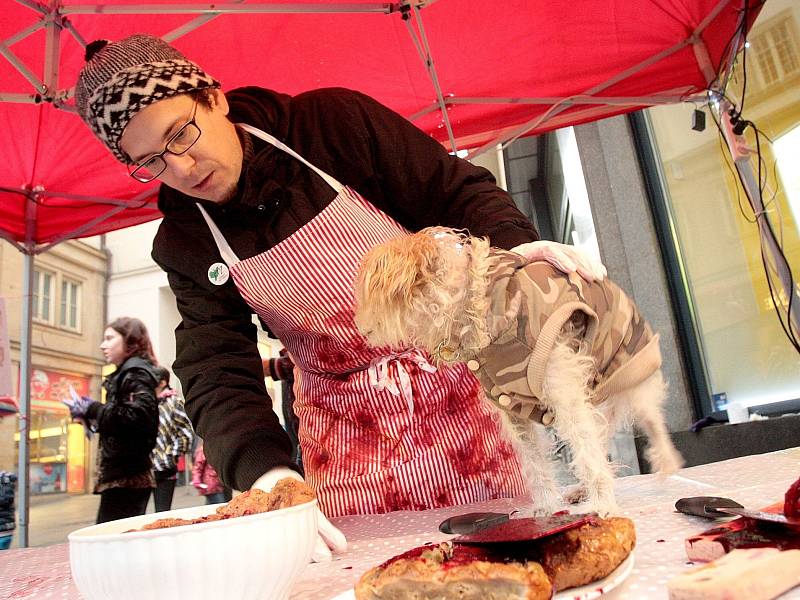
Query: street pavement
[[54, 516]]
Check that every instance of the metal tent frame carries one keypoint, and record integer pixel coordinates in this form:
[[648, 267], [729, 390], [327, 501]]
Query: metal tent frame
[[54, 18]]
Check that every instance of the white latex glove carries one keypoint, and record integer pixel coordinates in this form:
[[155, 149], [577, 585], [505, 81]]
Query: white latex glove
[[329, 538], [567, 259]]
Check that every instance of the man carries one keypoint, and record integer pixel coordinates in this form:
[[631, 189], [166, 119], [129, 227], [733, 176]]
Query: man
[[269, 202], [281, 368]]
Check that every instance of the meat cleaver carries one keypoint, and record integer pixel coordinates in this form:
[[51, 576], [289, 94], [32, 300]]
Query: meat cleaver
[[525, 530]]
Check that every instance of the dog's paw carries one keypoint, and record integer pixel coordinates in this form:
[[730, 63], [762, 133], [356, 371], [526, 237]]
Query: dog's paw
[[603, 509], [545, 504], [602, 502], [535, 511], [575, 494]]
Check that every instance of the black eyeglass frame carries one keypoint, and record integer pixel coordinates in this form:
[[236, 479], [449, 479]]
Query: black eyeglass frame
[[141, 164]]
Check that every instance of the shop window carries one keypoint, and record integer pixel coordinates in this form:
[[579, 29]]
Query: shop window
[[774, 49], [43, 295], [58, 448], [745, 354], [545, 179], [70, 304]]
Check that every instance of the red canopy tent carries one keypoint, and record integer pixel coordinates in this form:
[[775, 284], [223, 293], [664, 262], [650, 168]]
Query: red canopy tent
[[502, 69], [472, 74]]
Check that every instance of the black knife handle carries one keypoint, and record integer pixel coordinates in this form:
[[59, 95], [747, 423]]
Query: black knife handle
[[704, 506]]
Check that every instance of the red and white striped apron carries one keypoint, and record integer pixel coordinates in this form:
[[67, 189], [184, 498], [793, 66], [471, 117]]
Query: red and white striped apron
[[410, 440]]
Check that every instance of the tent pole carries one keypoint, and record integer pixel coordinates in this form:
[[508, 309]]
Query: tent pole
[[23, 475], [428, 59], [35, 6], [609, 100], [22, 34], [20, 98], [566, 103], [740, 152], [22, 68], [74, 32], [190, 26], [225, 8], [52, 50]]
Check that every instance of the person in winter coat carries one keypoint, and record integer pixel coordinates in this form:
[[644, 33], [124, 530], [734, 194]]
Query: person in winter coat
[[281, 368], [206, 480], [174, 439], [269, 202], [127, 422]]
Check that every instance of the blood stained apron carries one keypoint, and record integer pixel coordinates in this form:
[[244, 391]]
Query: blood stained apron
[[379, 431]]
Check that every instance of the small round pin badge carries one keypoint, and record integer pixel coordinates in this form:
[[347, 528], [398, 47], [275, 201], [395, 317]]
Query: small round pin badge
[[218, 273]]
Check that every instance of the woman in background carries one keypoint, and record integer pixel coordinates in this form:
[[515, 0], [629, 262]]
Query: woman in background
[[127, 422]]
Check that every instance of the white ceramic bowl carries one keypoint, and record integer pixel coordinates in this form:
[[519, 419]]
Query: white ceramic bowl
[[256, 556]]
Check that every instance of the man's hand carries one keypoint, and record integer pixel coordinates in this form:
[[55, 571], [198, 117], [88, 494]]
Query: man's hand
[[567, 259], [329, 538]]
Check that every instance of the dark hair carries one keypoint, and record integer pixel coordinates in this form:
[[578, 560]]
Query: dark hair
[[162, 373], [202, 96], [134, 337]]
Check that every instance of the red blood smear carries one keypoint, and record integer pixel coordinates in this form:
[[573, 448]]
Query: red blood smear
[[791, 503], [522, 530], [749, 533]]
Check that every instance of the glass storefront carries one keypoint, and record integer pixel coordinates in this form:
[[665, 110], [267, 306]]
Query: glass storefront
[[748, 358], [545, 179], [58, 448]]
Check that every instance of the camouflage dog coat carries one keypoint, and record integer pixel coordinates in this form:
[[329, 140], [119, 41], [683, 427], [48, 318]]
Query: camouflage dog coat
[[610, 327]]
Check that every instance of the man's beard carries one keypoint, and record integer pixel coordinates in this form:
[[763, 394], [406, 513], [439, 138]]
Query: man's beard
[[228, 194]]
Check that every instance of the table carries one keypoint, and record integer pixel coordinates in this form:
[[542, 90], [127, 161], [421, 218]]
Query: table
[[753, 481]]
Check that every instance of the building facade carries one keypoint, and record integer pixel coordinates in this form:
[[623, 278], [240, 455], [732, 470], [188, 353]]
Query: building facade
[[68, 303]]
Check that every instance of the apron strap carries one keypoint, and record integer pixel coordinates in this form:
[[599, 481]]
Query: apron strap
[[331, 181], [227, 253]]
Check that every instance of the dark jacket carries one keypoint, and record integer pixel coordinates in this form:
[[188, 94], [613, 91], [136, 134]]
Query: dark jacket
[[128, 421], [362, 144]]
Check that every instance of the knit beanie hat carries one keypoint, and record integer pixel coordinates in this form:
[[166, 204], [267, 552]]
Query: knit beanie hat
[[121, 78]]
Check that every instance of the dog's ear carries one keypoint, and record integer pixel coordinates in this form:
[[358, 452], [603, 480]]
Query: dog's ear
[[391, 276], [393, 271]]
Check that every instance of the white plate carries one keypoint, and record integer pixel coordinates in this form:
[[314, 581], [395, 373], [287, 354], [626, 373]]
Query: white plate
[[596, 589], [589, 591]]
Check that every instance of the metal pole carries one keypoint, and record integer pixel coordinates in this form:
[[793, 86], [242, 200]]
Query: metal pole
[[25, 372], [52, 51], [23, 481], [434, 78], [745, 168], [742, 159], [226, 8]]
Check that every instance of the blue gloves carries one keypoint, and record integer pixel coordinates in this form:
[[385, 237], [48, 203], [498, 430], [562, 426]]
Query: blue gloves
[[78, 407]]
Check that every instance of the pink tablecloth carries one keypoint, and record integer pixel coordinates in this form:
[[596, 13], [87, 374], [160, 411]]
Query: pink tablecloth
[[754, 481]]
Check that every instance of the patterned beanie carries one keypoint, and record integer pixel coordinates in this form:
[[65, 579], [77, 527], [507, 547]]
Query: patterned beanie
[[121, 78]]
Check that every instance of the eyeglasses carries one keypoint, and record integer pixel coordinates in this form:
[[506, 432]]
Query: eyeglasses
[[151, 167]]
